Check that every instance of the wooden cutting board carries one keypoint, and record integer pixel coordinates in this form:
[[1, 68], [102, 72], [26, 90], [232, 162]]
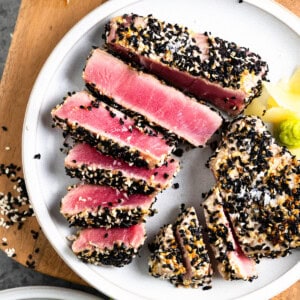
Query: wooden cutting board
[[40, 26]]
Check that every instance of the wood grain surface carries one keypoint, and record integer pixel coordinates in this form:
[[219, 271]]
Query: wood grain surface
[[40, 26]]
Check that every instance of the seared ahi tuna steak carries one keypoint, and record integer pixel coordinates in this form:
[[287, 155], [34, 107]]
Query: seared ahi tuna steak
[[144, 94], [113, 133], [259, 184], [232, 262], [208, 67], [114, 246], [89, 205], [179, 254], [90, 165]]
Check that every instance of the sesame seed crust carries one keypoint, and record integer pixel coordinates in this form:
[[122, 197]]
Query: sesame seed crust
[[110, 217], [119, 255], [259, 183], [114, 179], [166, 261]]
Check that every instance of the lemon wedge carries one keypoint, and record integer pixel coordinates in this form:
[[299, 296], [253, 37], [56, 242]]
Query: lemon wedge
[[294, 82], [278, 114], [284, 97]]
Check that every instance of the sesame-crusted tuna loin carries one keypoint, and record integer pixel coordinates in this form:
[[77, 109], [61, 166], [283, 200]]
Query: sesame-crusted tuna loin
[[161, 105], [113, 133], [86, 163], [208, 67], [259, 183], [178, 253], [232, 262], [114, 246], [87, 205]]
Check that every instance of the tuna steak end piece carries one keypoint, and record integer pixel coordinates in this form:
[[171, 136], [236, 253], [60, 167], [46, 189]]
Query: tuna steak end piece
[[178, 253], [208, 67], [115, 246]]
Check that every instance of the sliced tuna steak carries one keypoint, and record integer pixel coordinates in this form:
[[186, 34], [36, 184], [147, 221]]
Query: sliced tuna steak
[[114, 246], [208, 67], [142, 93], [259, 183], [89, 165], [232, 262], [178, 253], [89, 205], [113, 133]]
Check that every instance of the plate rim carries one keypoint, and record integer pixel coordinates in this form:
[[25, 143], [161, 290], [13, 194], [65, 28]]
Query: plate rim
[[110, 288], [45, 292]]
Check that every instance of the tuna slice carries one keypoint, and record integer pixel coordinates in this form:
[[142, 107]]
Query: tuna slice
[[208, 67], [89, 205], [179, 254], [232, 262], [113, 133], [259, 183], [166, 261], [90, 165], [114, 246], [142, 93]]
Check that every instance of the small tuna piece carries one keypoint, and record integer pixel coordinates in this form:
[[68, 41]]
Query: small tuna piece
[[259, 184], [232, 262], [208, 67], [166, 260], [113, 133], [114, 246], [90, 165], [87, 205], [188, 233], [142, 93], [178, 253]]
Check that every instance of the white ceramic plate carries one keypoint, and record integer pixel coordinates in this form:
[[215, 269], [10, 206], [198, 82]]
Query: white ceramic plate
[[262, 26], [45, 293]]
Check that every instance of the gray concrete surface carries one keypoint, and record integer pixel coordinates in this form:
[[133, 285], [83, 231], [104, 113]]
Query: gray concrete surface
[[12, 274]]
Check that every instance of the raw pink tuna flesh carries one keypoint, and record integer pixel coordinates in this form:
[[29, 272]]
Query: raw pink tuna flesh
[[99, 121], [90, 197], [132, 236], [245, 265], [144, 94], [86, 154]]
